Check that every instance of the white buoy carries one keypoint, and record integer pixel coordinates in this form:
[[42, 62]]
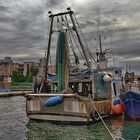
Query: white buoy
[[107, 77]]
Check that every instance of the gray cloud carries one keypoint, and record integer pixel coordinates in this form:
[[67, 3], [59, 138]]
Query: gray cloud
[[24, 26]]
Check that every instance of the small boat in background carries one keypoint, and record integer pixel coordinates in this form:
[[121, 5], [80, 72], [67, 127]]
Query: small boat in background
[[131, 96], [131, 101]]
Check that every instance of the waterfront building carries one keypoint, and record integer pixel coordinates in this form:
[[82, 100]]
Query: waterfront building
[[28, 66], [5, 72], [41, 67], [18, 67]]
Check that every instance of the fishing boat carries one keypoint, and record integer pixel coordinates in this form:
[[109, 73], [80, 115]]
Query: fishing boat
[[74, 91], [131, 101], [131, 96]]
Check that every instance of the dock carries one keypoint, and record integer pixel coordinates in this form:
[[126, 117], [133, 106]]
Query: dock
[[15, 93]]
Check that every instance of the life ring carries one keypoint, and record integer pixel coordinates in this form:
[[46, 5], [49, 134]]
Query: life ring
[[94, 115]]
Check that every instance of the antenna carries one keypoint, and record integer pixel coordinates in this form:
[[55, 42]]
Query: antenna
[[100, 43]]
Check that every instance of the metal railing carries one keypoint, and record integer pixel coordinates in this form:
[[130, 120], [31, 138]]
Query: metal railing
[[21, 86]]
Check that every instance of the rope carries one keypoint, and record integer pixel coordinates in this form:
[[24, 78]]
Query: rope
[[104, 122], [71, 49], [86, 45], [58, 24], [86, 48], [41, 99], [138, 137], [74, 38], [74, 54], [102, 119], [71, 45], [111, 49]]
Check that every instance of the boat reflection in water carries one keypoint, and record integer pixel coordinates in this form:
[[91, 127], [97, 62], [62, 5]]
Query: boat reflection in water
[[50, 131], [39, 130], [117, 128]]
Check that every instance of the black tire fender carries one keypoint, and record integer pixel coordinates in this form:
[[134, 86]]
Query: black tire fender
[[94, 115]]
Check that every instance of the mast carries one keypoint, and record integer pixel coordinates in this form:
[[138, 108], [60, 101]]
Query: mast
[[101, 56], [52, 17], [101, 53], [48, 54], [49, 44], [100, 43]]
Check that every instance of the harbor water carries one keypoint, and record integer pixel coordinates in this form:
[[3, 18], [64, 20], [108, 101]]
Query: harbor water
[[15, 125]]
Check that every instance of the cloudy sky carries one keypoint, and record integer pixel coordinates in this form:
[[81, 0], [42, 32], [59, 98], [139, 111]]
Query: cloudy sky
[[24, 27]]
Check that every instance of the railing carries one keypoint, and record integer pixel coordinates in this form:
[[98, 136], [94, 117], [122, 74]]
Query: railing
[[21, 86]]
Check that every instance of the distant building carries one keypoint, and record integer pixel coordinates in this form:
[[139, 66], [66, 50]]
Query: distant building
[[42, 67], [7, 66], [28, 66], [18, 67], [5, 72]]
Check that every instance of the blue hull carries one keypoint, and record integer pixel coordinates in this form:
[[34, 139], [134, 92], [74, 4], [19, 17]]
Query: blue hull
[[131, 101]]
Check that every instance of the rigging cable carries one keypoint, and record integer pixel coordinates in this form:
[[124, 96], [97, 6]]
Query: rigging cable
[[86, 45], [71, 46], [87, 52], [75, 38], [72, 34], [70, 40], [101, 118]]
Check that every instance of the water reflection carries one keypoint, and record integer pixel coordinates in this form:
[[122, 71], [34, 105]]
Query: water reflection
[[131, 130], [117, 128], [49, 131], [15, 125]]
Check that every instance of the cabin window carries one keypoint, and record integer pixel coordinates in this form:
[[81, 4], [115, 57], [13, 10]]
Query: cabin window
[[82, 88], [1, 78]]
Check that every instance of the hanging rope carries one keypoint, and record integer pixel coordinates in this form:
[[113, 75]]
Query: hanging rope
[[62, 20], [60, 24], [75, 55], [71, 47], [138, 137], [51, 62], [70, 40], [101, 119], [78, 46], [86, 44], [113, 59]]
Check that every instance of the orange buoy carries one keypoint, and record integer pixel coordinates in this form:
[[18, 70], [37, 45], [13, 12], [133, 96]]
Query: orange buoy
[[117, 109]]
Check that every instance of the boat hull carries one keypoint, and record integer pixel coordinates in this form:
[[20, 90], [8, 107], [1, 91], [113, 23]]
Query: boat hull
[[131, 102], [72, 109]]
